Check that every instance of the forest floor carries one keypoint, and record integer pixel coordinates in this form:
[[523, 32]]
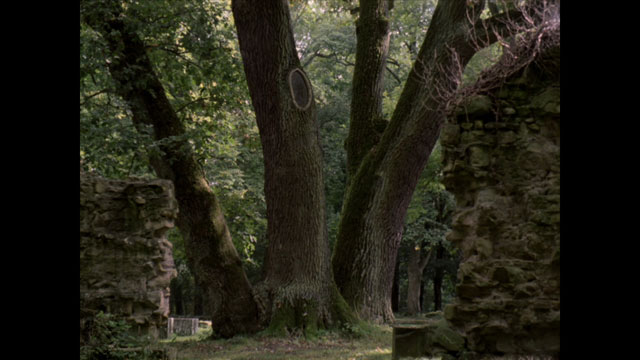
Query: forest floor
[[374, 345]]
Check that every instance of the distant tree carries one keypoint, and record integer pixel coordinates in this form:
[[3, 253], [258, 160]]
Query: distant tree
[[426, 224]]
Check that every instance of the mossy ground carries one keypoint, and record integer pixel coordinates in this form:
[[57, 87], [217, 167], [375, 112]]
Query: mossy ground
[[373, 342]]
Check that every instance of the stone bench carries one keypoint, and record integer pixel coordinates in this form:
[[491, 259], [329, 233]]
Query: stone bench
[[426, 337], [409, 339]]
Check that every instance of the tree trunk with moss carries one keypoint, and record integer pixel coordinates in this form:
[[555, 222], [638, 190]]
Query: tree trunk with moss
[[298, 290], [210, 251]]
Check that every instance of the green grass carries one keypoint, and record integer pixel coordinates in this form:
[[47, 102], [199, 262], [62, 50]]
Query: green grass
[[374, 344]]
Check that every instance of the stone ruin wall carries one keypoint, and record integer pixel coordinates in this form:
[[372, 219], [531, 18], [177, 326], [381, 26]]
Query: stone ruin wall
[[502, 162], [126, 261]]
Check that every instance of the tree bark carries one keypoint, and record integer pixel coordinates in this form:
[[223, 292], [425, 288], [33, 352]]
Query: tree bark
[[378, 196], [413, 285], [415, 268], [437, 279], [198, 308], [298, 288], [422, 292], [395, 291], [366, 122], [177, 304], [210, 251]]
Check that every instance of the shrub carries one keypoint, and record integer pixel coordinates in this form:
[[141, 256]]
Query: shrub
[[108, 338]]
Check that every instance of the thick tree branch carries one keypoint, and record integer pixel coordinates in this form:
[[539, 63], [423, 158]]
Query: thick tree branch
[[396, 77], [334, 56], [176, 53], [87, 98], [524, 32], [184, 106], [326, 56]]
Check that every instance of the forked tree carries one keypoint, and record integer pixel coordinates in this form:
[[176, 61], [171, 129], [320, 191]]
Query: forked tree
[[384, 158]]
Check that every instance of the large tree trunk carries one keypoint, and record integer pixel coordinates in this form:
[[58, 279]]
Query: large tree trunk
[[365, 128], [298, 287], [380, 191], [210, 251]]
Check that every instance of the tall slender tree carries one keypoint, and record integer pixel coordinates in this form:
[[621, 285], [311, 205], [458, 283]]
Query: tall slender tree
[[415, 268]]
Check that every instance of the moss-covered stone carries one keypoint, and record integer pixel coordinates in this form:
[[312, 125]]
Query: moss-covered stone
[[548, 100], [508, 111], [507, 137], [466, 125], [479, 156], [477, 105], [450, 133], [446, 337], [449, 311], [409, 341], [507, 220], [126, 261]]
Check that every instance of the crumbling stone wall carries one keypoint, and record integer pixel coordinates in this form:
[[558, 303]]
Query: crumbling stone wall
[[126, 261], [502, 162]]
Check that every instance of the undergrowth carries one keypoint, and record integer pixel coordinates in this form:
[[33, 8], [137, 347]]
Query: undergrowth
[[349, 342], [109, 338]]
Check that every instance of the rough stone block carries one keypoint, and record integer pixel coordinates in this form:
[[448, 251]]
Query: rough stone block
[[507, 220], [126, 262], [409, 340]]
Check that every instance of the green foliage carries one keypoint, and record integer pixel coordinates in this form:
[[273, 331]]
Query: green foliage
[[481, 61], [109, 144], [183, 285], [325, 38], [409, 23], [357, 330], [109, 338], [203, 334], [429, 198], [427, 222]]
